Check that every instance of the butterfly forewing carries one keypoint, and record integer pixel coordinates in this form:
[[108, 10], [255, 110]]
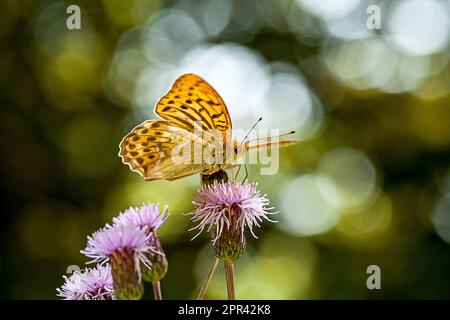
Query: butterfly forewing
[[191, 101]]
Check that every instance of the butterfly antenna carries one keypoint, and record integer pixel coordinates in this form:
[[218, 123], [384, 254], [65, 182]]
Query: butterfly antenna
[[251, 129], [279, 136]]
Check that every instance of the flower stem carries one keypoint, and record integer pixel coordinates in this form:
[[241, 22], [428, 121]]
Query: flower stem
[[229, 273], [207, 280], [157, 290]]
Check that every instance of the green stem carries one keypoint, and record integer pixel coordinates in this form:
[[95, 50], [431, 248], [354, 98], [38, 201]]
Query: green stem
[[229, 274], [207, 280], [157, 290]]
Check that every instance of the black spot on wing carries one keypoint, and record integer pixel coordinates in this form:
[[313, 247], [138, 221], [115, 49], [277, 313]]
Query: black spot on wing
[[215, 116]]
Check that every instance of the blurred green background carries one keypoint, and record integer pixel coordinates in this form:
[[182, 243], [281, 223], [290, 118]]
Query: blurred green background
[[369, 184]]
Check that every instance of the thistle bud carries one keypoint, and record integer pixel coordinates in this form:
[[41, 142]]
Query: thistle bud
[[229, 245], [158, 260]]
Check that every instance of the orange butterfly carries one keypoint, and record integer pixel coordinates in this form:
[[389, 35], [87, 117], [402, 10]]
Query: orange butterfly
[[195, 119]]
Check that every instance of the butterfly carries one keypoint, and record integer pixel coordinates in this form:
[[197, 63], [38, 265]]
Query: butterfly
[[195, 122]]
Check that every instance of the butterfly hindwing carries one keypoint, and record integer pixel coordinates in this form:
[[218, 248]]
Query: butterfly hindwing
[[147, 149]]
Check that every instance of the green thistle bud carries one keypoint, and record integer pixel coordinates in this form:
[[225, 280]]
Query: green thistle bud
[[126, 278], [230, 245], [158, 260]]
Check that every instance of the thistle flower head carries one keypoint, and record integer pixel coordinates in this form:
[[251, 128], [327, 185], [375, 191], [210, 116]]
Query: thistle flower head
[[126, 248], [107, 241], [147, 215], [230, 205], [89, 284]]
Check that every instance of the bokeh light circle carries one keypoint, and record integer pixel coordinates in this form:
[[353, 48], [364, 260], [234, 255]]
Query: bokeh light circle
[[419, 27], [351, 179], [304, 210], [441, 218]]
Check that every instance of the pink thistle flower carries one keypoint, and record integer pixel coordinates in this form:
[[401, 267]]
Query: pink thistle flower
[[110, 240], [230, 206], [147, 215], [126, 248], [89, 284]]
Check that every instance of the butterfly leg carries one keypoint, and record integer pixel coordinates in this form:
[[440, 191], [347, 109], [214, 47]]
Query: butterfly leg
[[238, 170], [233, 177], [246, 172]]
